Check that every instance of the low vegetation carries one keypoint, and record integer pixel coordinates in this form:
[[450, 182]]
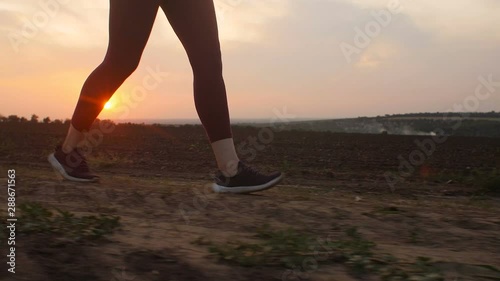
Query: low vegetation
[[34, 218], [485, 181], [292, 249]]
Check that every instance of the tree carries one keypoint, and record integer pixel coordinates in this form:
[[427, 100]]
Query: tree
[[23, 119], [34, 118], [46, 120], [13, 118]]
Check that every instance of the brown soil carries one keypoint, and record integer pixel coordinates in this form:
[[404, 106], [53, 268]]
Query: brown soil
[[157, 180]]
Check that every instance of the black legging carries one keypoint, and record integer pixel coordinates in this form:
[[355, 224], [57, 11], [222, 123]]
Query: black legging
[[130, 24]]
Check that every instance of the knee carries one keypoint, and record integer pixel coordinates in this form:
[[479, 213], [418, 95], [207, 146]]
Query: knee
[[124, 66]]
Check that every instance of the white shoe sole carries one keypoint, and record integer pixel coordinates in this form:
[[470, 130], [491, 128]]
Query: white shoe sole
[[60, 169], [246, 189]]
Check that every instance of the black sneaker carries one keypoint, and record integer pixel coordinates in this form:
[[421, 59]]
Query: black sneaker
[[247, 180], [72, 166]]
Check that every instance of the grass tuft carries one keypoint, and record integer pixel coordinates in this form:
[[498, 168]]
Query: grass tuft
[[37, 219]]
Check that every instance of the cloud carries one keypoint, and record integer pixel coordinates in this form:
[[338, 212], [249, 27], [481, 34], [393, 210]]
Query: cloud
[[464, 20], [377, 54], [244, 21]]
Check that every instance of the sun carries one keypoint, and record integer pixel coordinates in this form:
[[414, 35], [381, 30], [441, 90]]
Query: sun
[[108, 105]]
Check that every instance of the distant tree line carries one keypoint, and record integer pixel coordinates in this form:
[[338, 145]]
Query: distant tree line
[[474, 124], [464, 127], [34, 119], [491, 114]]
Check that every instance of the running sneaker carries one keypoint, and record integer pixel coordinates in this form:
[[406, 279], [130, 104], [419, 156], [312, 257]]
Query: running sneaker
[[246, 180], [72, 166]]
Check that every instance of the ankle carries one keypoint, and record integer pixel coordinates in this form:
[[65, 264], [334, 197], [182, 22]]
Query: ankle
[[230, 169], [72, 140], [67, 148]]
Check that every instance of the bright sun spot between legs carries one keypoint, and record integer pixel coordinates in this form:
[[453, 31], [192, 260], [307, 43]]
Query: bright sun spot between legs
[[108, 105]]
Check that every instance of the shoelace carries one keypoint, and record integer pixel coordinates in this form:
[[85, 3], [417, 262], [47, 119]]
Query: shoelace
[[83, 164], [250, 170]]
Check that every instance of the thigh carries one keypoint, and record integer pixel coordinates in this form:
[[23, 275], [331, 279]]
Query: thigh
[[130, 24], [195, 23]]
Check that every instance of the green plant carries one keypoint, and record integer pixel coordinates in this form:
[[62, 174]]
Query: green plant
[[487, 181], [283, 247], [289, 248], [414, 235], [491, 185], [37, 219], [286, 165], [388, 210], [244, 254], [425, 270]]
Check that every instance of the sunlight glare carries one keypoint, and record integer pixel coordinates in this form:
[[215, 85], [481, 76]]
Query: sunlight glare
[[108, 105]]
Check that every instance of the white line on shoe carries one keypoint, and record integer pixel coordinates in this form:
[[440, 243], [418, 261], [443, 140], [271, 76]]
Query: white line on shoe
[[59, 168], [246, 189]]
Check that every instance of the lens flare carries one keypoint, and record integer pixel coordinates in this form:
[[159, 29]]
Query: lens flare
[[108, 105]]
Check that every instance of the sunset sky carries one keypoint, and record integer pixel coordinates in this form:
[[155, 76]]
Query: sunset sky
[[277, 54]]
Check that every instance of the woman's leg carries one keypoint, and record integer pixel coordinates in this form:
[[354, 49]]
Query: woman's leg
[[130, 23], [194, 22]]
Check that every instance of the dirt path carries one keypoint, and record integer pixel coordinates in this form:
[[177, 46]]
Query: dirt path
[[167, 225]]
